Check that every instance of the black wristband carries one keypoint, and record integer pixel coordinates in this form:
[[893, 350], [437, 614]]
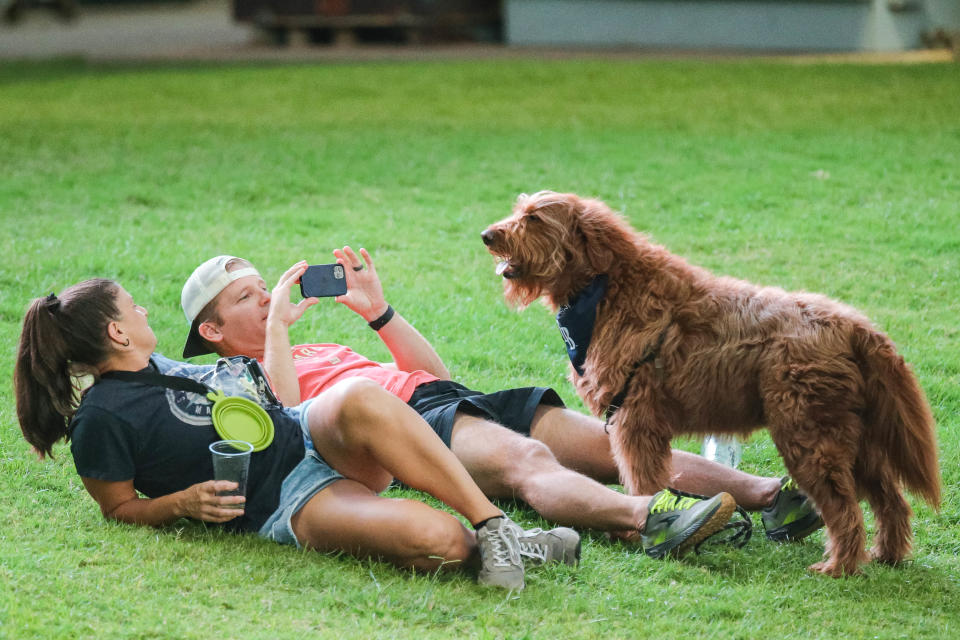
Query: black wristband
[[377, 324]]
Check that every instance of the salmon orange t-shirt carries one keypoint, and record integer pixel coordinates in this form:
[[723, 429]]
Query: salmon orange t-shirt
[[321, 365]]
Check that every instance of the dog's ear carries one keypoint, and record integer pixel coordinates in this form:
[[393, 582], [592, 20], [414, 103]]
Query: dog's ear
[[598, 225], [531, 207], [528, 206]]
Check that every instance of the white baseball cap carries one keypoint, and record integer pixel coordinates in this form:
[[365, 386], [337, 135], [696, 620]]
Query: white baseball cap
[[204, 284]]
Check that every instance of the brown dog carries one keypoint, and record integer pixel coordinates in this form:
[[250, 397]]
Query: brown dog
[[678, 350]]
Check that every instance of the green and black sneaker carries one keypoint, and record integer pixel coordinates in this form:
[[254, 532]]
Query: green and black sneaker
[[678, 521], [792, 515]]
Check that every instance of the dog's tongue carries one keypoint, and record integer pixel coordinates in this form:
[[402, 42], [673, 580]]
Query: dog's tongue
[[502, 266]]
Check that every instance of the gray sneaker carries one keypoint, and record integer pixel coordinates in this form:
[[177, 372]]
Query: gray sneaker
[[556, 545], [678, 521], [500, 561]]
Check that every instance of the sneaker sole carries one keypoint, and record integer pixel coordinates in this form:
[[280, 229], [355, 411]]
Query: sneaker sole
[[492, 582], [797, 531], [694, 534], [576, 555], [570, 557]]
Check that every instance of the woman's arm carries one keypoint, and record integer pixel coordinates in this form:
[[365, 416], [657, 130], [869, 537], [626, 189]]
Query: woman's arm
[[120, 501]]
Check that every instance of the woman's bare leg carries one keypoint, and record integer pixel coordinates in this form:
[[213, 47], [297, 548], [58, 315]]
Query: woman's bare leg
[[347, 516]]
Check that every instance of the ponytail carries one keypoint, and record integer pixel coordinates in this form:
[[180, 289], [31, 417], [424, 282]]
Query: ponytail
[[63, 338]]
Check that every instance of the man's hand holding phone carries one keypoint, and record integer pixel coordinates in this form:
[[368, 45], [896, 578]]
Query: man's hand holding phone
[[364, 292], [281, 309]]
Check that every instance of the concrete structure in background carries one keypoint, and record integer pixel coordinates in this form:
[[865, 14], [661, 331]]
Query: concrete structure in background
[[127, 31], [208, 30], [354, 21], [771, 25]]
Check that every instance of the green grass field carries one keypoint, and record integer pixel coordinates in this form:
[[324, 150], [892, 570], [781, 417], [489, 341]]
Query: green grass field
[[839, 179]]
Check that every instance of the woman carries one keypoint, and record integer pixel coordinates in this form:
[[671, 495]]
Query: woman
[[128, 436]]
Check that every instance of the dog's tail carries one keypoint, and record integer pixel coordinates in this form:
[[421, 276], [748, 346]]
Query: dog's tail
[[899, 415]]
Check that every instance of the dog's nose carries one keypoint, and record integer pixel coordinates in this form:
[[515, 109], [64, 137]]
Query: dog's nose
[[487, 236]]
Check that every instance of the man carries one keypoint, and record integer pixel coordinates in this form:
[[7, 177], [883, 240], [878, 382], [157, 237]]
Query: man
[[515, 443]]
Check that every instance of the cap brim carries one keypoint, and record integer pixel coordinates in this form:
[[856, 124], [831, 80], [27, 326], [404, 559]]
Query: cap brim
[[195, 345]]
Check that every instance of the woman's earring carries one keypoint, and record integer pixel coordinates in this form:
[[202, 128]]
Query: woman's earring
[[127, 343]]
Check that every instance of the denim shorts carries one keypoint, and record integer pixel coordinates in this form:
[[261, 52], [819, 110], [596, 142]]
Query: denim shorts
[[311, 476]]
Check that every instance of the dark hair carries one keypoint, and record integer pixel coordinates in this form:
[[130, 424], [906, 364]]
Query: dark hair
[[62, 339]]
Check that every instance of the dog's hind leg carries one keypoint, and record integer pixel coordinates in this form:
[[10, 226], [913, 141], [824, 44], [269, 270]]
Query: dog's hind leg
[[891, 541], [812, 406], [825, 473], [822, 465], [844, 521]]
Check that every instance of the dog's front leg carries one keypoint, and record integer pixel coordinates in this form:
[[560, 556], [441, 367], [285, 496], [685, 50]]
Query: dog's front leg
[[640, 439]]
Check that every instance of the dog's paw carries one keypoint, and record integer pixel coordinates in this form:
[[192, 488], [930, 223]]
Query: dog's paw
[[885, 556], [834, 569]]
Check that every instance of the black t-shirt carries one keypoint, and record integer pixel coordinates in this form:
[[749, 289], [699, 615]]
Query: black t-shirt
[[158, 438]]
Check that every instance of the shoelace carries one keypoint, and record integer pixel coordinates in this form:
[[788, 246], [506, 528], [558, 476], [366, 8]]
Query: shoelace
[[506, 547], [742, 530], [538, 551], [670, 502]]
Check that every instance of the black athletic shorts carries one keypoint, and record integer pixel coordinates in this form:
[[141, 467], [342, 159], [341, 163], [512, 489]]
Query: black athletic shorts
[[439, 401]]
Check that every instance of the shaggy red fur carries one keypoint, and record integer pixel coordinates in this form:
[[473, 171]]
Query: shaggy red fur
[[842, 407]]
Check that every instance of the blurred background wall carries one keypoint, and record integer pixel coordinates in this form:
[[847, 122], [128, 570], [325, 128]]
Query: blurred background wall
[[191, 28], [785, 25]]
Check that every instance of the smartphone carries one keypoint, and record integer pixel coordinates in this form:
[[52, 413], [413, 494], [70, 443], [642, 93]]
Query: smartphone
[[323, 281]]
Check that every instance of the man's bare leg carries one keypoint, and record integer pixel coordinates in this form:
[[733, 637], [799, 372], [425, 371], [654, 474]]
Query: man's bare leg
[[579, 442], [506, 464]]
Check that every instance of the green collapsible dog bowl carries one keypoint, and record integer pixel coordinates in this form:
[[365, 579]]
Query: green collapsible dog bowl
[[242, 419]]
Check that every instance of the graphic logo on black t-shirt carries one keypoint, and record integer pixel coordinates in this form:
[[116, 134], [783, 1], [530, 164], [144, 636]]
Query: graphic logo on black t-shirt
[[188, 407]]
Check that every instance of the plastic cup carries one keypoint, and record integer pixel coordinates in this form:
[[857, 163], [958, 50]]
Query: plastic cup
[[231, 461], [725, 449]]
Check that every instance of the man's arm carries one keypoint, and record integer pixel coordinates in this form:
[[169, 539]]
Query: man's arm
[[120, 501], [277, 359], [410, 350]]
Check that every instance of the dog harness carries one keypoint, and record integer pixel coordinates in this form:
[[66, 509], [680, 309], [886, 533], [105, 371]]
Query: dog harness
[[576, 321], [652, 354], [577, 318]]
